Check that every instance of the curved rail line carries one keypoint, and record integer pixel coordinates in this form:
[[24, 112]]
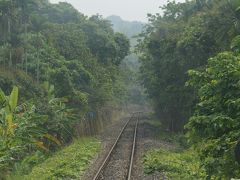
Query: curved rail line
[[110, 153]]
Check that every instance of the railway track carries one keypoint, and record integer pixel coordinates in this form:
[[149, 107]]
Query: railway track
[[118, 163]]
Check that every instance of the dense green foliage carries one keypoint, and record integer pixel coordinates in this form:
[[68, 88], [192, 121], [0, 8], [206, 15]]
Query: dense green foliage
[[204, 36], [59, 67], [65, 66], [183, 38], [214, 128], [55, 42], [21, 129]]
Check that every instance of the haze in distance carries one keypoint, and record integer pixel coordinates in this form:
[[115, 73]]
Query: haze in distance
[[131, 10]]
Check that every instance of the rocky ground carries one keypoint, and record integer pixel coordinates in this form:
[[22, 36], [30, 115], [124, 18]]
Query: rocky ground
[[107, 137]]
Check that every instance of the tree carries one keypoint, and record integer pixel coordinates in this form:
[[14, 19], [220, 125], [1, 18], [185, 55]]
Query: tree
[[214, 127], [80, 56], [183, 38]]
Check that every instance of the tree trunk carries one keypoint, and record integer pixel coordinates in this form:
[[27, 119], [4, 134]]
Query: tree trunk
[[25, 32], [10, 57], [38, 66], [9, 37], [26, 61], [38, 61]]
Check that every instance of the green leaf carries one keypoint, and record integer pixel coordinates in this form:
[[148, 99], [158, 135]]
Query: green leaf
[[13, 99], [9, 119]]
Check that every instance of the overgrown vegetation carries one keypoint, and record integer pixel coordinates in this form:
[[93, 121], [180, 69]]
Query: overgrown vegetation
[[58, 68], [183, 38], [204, 36], [214, 127]]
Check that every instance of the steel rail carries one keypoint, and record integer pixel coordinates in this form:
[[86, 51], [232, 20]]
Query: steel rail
[[111, 150], [133, 150]]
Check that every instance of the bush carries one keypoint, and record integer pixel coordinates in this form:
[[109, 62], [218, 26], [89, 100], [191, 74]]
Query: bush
[[214, 128]]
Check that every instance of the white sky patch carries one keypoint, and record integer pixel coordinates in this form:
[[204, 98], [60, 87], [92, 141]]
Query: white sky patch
[[128, 9]]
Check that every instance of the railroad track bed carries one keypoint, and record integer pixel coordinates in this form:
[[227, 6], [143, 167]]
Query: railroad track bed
[[117, 166], [119, 161]]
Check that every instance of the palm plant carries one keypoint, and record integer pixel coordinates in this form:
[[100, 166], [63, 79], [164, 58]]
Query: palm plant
[[8, 103], [22, 130]]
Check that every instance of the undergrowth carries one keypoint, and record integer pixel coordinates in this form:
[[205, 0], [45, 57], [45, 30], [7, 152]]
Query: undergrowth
[[178, 163], [174, 165], [69, 163], [176, 139]]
